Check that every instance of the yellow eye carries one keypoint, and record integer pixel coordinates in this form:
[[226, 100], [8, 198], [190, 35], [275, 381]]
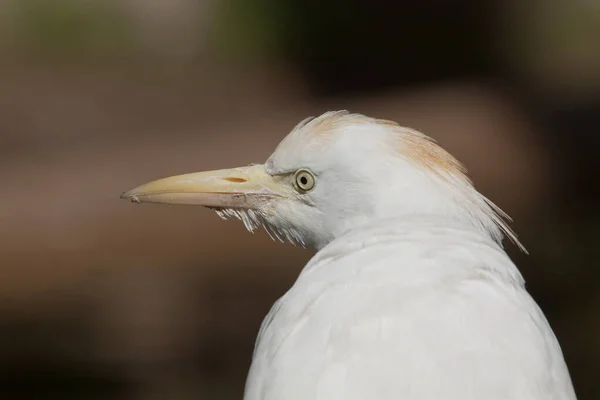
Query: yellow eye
[[304, 180]]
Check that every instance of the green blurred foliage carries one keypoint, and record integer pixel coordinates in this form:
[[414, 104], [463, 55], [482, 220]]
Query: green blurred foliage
[[72, 28], [248, 28]]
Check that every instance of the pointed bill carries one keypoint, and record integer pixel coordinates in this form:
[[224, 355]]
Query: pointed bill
[[244, 187]]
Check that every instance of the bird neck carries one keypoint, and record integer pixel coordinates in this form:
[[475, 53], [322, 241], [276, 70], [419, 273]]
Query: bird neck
[[427, 196]]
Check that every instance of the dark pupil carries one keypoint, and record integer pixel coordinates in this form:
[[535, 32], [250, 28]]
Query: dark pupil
[[303, 180]]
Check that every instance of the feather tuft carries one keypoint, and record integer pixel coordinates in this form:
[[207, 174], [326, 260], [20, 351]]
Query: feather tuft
[[253, 220]]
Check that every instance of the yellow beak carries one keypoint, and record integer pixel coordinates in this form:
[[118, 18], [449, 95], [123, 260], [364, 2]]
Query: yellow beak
[[244, 187]]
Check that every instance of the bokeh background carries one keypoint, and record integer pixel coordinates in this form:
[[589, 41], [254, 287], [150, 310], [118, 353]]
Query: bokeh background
[[101, 299]]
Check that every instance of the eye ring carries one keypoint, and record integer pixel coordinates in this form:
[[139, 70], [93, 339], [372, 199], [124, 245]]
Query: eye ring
[[304, 180]]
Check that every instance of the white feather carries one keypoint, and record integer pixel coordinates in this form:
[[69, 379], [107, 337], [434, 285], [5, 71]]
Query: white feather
[[412, 309], [411, 296]]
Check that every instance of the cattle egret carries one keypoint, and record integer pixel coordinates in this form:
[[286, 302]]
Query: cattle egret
[[410, 295]]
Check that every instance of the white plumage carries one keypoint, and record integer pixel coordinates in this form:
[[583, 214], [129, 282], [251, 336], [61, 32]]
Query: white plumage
[[410, 296]]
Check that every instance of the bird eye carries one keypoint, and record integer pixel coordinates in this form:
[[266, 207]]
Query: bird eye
[[304, 180]]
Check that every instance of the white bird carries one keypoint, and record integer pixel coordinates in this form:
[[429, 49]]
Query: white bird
[[410, 295]]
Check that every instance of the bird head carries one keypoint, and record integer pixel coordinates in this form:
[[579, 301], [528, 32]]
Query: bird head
[[333, 174]]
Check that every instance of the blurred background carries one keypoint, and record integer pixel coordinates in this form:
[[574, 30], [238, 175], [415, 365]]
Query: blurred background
[[100, 299]]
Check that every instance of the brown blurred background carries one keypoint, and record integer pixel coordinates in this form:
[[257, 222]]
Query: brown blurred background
[[100, 299]]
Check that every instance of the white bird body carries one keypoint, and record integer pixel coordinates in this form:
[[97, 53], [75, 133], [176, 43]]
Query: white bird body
[[411, 309], [410, 296]]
